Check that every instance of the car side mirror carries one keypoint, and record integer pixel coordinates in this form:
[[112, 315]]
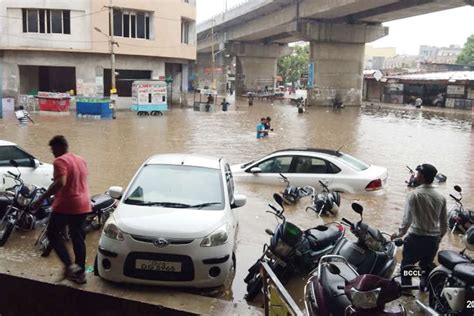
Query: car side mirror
[[255, 170], [116, 192], [36, 163], [14, 163], [239, 200]]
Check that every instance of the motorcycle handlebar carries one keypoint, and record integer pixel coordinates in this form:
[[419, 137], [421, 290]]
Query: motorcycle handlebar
[[347, 221], [454, 198]]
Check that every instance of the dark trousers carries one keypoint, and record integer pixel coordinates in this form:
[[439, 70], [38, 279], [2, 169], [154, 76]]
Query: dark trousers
[[420, 249], [57, 224]]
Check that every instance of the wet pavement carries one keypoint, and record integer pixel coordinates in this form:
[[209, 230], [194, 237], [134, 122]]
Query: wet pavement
[[392, 137]]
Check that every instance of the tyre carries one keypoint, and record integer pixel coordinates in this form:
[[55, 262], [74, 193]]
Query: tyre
[[435, 285], [5, 232], [254, 281], [43, 243], [289, 199]]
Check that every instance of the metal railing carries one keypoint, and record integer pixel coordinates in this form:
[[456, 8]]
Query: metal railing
[[277, 299]]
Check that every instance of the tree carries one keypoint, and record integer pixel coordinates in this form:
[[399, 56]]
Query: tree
[[292, 66], [467, 55]]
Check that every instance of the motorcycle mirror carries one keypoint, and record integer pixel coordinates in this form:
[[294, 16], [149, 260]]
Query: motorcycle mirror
[[398, 242], [334, 269], [278, 198], [269, 232], [457, 188], [357, 208], [14, 163]]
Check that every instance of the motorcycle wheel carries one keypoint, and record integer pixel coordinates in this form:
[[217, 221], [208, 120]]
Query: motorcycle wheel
[[254, 282], [435, 286], [289, 199], [6, 229]]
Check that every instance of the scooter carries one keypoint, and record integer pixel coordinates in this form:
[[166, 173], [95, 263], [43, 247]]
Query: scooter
[[326, 202], [459, 218], [19, 212], [371, 253], [292, 251], [451, 284], [291, 194], [411, 183], [336, 288], [102, 206]]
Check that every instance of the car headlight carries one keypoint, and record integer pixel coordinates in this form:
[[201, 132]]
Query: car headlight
[[112, 231], [365, 299], [218, 237]]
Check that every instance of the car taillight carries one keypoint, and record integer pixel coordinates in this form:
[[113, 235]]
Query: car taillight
[[374, 185]]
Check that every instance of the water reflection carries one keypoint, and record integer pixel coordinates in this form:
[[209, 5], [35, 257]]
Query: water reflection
[[389, 137]]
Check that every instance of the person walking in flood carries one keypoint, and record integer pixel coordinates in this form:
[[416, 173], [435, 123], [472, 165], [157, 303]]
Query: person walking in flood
[[70, 207], [23, 116], [268, 127], [425, 220], [225, 105], [262, 132]]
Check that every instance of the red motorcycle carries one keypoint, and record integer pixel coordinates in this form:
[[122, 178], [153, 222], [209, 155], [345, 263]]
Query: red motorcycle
[[337, 289]]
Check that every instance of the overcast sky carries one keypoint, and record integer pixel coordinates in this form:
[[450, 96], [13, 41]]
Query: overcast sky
[[437, 29]]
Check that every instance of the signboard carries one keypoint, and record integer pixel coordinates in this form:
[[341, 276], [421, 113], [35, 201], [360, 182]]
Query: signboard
[[394, 87], [149, 92], [217, 70], [310, 75], [456, 90]]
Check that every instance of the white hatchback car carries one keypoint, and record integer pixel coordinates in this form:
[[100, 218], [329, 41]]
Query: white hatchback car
[[305, 166], [175, 224], [32, 170]]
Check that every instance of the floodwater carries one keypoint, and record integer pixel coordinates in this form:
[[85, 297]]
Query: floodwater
[[390, 137]]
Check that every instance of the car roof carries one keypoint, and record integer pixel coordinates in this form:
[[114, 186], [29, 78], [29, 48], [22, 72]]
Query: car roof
[[6, 143], [185, 160], [315, 150]]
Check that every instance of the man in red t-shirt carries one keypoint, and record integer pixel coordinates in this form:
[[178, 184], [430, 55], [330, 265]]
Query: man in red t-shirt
[[70, 207]]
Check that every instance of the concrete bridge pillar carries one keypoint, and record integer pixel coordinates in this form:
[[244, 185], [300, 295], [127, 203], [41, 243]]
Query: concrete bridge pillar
[[204, 69], [337, 51], [256, 66]]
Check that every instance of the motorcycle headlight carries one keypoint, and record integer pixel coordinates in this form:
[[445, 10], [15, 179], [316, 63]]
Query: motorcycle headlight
[[112, 231], [23, 201], [365, 299], [218, 237]]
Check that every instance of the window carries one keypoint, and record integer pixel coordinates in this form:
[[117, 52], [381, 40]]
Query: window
[[354, 163], [132, 24], [314, 165], [8, 153], [46, 21], [185, 31], [177, 184], [276, 165]]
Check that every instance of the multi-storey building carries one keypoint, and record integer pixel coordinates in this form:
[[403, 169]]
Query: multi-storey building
[[62, 45]]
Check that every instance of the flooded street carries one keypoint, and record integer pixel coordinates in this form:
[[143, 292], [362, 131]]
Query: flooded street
[[393, 138]]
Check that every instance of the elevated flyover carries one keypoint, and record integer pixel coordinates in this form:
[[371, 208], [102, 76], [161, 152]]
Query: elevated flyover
[[258, 32]]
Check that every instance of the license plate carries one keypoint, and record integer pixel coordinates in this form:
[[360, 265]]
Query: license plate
[[155, 265]]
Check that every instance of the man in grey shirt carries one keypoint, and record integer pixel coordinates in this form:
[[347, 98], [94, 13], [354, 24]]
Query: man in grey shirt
[[425, 220]]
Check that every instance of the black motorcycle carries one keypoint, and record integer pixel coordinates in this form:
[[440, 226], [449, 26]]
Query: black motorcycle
[[326, 202], [292, 194], [451, 284], [18, 202], [292, 251], [102, 206], [371, 253], [459, 218]]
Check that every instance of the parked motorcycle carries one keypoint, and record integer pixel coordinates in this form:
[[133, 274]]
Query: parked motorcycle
[[102, 206], [411, 183], [19, 213], [451, 284], [326, 202], [336, 288], [291, 194], [459, 218], [291, 251], [371, 253]]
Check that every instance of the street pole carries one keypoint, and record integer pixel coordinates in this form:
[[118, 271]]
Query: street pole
[[213, 57], [113, 90]]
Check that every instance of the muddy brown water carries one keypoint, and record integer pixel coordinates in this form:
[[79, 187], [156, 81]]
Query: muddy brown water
[[390, 137]]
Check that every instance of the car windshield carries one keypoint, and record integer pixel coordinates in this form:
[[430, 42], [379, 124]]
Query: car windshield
[[177, 186], [353, 162]]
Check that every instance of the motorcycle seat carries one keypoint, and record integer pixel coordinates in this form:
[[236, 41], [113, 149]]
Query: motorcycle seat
[[101, 201], [322, 236], [465, 271], [336, 298], [450, 259]]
